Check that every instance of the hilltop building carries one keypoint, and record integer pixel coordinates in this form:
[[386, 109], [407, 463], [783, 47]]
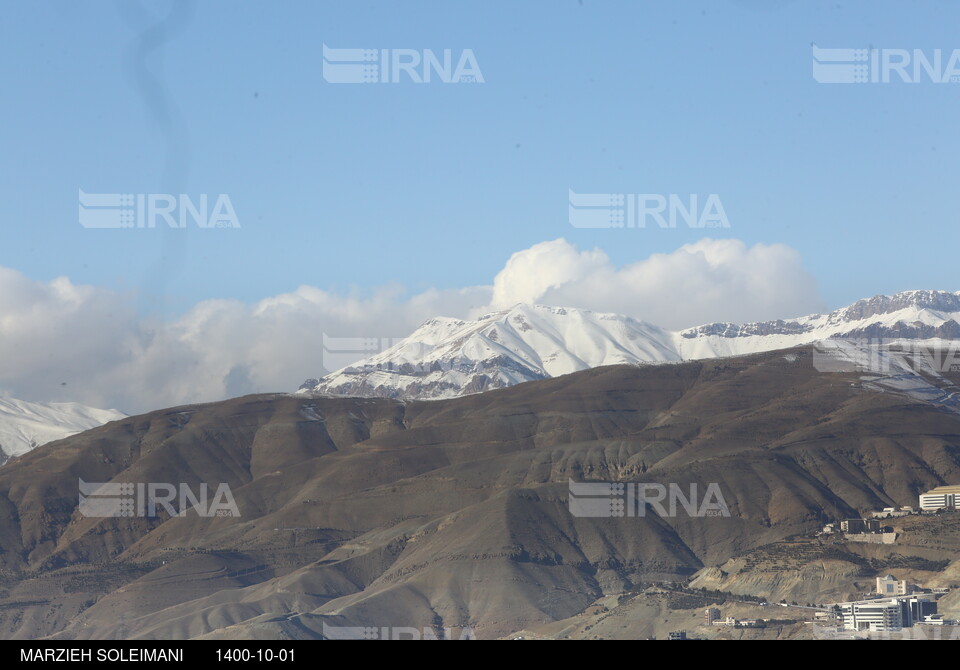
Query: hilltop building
[[860, 526], [893, 512], [889, 586], [942, 497]]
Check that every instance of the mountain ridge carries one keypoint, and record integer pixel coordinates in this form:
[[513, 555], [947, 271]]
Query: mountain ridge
[[25, 425], [447, 357]]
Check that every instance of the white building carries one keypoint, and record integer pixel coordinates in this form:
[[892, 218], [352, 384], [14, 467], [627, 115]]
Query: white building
[[886, 614], [943, 497], [872, 615], [889, 586]]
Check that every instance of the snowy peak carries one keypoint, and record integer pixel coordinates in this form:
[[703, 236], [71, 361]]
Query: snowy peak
[[557, 340], [909, 314], [932, 308], [25, 425], [935, 301], [448, 357]]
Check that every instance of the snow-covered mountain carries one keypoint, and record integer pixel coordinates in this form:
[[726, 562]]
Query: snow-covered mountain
[[25, 425], [913, 315], [452, 357]]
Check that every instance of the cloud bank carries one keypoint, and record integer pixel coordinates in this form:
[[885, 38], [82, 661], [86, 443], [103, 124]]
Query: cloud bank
[[64, 342], [710, 280]]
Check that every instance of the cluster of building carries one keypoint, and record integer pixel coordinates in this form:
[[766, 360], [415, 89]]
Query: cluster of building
[[899, 606], [862, 530], [871, 530], [711, 617], [940, 498]]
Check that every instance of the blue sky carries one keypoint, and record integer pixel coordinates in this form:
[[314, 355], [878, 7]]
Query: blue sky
[[436, 185], [350, 188]]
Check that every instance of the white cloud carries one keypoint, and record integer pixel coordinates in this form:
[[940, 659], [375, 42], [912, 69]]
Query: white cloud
[[60, 341], [710, 280], [531, 274]]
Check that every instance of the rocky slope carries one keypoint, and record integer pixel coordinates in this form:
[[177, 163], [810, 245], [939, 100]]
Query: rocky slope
[[456, 513]]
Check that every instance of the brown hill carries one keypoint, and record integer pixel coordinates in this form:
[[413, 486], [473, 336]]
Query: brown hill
[[372, 512]]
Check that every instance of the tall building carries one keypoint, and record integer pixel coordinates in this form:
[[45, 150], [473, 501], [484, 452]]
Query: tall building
[[872, 615], [942, 497], [710, 615], [886, 614], [922, 608]]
